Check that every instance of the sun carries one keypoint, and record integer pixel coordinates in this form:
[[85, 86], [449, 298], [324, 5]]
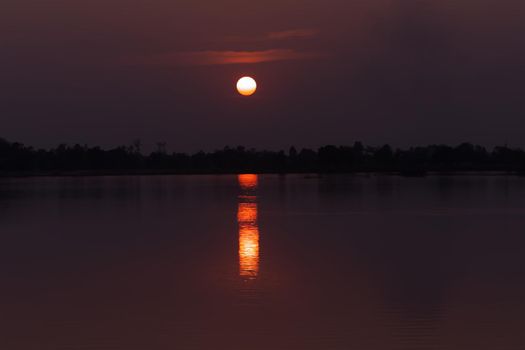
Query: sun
[[246, 86]]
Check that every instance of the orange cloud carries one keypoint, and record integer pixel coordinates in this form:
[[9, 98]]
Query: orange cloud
[[209, 58]]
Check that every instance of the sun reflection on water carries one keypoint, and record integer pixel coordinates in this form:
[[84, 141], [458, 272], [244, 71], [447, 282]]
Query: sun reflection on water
[[248, 182], [248, 227]]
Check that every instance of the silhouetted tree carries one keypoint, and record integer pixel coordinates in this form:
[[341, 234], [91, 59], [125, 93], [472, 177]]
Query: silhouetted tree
[[15, 158]]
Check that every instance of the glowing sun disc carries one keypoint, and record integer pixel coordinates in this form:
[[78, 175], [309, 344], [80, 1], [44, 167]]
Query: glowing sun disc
[[246, 86]]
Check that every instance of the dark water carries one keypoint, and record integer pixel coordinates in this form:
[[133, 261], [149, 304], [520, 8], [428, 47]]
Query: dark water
[[268, 262]]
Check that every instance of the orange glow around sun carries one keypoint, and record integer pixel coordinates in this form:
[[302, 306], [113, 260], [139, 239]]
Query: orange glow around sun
[[246, 86]]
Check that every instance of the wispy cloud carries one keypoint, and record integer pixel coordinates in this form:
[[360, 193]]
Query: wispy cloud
[[282, 35], [209, 58], [226, 57], [292, 34]]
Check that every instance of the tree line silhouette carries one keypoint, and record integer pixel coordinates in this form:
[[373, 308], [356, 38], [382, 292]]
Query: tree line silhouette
[[18, 159]]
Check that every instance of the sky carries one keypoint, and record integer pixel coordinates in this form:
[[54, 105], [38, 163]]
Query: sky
[[404, 72]]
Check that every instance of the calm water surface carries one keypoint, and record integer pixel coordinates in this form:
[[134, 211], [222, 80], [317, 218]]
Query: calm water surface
[[262, 262]]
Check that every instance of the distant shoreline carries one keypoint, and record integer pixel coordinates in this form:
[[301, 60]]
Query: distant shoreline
[[18, 160], [100, 173]]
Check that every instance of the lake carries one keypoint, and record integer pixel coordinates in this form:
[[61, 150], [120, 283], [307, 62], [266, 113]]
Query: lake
[[262, 262]]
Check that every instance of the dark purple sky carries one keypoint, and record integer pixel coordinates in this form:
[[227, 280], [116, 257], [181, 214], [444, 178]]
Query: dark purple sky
[[403, 72]]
